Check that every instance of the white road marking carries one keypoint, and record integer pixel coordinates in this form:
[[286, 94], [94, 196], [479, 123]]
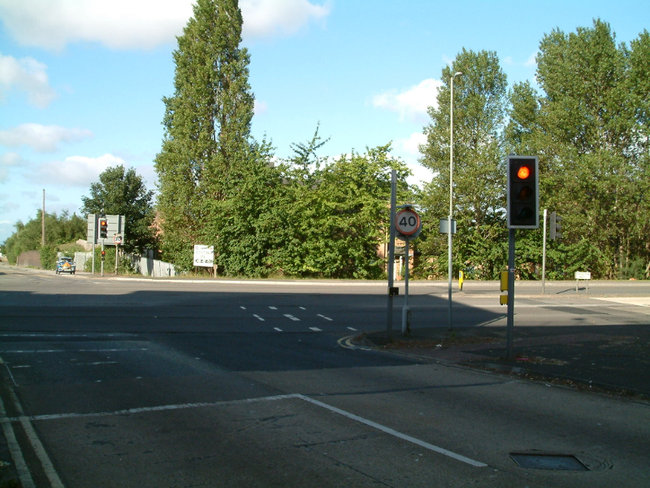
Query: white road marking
[[325, 317], [96, 363], [291, 317], [46, 351], [352, 329], [271, 307], [242, 307], [278, 329], [293, 396], [394, 433], [302, 308], [261, 319], [315, 329], [14, 449], [37, 446]]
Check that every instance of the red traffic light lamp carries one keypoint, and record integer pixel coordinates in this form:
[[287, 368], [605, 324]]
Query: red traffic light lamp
[[103, 227], [523, 192]]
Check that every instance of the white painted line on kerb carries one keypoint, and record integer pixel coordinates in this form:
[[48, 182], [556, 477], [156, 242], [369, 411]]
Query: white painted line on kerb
[[292, 396]]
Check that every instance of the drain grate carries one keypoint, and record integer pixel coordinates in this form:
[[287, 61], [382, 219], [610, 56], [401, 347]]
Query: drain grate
[[559, 462]]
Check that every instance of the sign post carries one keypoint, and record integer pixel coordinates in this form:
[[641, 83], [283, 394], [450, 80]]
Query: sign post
[[408, 226]]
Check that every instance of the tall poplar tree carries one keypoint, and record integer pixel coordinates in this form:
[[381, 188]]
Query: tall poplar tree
[[207, 130], [480, 98], [590, 128]]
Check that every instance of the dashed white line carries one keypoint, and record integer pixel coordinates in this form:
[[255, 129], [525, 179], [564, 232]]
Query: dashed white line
[[278, 329], [261, 319], [271, 307], [291, 317], [325, 317], [315, 329], [352, 329]]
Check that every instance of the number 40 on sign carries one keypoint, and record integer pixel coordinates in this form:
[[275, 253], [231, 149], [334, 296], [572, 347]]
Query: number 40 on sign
[[408, 223]]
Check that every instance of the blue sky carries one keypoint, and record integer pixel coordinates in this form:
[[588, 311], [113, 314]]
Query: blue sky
[[81, 81]]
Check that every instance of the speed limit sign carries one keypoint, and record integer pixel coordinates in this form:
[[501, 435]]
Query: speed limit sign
[[407, 222]]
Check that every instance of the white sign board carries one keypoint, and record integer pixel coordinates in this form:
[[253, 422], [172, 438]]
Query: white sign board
[[204, 256], [583, 275]]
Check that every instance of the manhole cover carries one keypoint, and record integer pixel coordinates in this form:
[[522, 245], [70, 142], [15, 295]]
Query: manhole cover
[[563, 462]]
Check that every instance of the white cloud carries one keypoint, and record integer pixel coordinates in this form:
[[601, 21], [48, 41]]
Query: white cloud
[[28, 75], [409, 150], [42, 138], [412, 103], [412, 144], [531, 62], [77, 170], [261, 107], [265, 18], [8, 160], [140, 24]]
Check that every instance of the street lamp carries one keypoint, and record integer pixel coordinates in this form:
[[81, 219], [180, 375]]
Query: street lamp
[[451, 194]]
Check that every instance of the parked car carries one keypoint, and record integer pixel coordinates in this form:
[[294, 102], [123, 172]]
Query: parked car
[[65, 265]]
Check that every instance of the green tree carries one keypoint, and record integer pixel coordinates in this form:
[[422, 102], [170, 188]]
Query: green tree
[[480, 97], [207, 132], [335, 213], [59, 230], [590, 128], [123, 192]]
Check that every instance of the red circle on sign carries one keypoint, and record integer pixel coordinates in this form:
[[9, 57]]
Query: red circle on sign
[[407, 222]]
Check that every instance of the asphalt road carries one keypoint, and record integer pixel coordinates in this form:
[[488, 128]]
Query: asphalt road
[[177, 384]]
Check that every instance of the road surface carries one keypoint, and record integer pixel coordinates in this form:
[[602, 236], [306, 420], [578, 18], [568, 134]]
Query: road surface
[[177, 384]]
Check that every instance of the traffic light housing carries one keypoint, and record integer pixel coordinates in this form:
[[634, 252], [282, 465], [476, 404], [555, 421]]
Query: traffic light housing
[[554, 226], [103, 227], [523, 192]]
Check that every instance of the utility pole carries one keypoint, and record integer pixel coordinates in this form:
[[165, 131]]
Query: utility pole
[[43, 221]]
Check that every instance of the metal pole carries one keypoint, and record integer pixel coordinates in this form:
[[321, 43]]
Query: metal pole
[[544, 256], [391, 252], [451, 201], [511, 293], [43, 221], [405, 308]]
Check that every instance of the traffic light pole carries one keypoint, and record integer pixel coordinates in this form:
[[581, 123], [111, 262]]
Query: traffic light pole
[[511, 294]]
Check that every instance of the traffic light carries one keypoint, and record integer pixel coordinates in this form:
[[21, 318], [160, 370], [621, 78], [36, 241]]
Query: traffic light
[[523, 192], [555, 227], [103, 227]]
